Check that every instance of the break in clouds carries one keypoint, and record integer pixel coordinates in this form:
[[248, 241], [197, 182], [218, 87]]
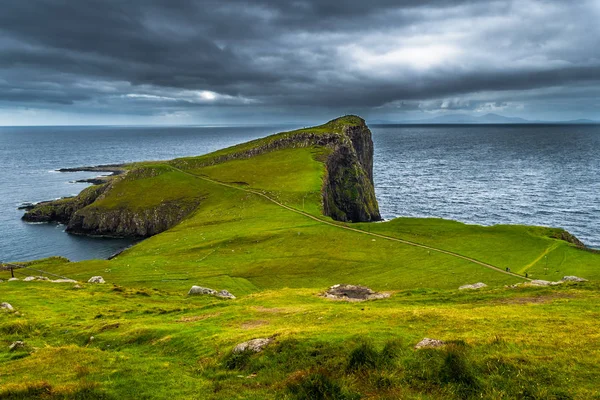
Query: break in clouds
[[266, 61]]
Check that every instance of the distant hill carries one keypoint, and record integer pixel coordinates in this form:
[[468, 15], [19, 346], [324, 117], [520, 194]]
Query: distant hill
[[486, 119]]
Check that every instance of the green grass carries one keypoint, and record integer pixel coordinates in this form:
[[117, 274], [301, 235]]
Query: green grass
[[150, 340], [153, 343]]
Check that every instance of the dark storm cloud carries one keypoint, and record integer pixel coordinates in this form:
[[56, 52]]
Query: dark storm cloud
[[180, 55]]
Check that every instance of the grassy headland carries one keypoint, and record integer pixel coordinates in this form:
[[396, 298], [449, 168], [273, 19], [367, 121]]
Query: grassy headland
[[254, 225]]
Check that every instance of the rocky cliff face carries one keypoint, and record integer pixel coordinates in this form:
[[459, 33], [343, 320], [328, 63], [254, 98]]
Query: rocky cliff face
[[347, 191], [128, 223]]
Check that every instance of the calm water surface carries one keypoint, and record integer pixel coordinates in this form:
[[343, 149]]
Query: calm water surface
[[537, 175]]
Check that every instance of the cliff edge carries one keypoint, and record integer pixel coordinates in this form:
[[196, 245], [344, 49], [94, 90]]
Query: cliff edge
[[148, 198]]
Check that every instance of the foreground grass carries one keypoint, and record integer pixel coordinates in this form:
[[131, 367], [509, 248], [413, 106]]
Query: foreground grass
[[120, 342]]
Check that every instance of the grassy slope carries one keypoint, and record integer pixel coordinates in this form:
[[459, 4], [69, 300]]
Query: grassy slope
[[152, 341]]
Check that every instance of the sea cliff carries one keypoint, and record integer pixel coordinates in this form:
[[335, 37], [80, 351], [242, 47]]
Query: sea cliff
[[119, 207]]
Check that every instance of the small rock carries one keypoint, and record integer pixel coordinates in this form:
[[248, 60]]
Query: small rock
[[225, 295], [540, 282], [16, 345], [67, 281], [13, 279], [255, 345], [198, 290], [77, 287], [353, 293], [6, 306], [96, 279], [477, 285], [572, 278], [29, 279], [429, 343]]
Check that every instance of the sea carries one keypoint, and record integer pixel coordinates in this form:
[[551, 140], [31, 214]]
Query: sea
[[479, 174]]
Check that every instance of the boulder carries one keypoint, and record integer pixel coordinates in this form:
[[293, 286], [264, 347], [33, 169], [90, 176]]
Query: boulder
[[16, 345], [225, 294], [67, 281], [254, 345], [572, 278], [429, 343], [35, 278], [13, 279], [539, 282], [96, 279], [199, 290], [353, 293], [477, 285], [7, 306]]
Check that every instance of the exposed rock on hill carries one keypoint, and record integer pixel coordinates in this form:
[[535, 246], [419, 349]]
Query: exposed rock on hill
[[353, 293], [477, 285], [96, 279], [429, 343], [199, 290], [572, 278], [254, 345]]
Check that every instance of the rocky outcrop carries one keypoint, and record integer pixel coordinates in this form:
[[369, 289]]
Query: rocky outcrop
[[572, 278], [199, 290], [96, 279], [428, 343], [353, 293], [477, 285], [254, 345], [82, 215], [62, 210], [348, 191], [124, 222]]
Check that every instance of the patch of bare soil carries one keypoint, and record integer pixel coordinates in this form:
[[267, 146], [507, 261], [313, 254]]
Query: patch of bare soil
[[535, 299]]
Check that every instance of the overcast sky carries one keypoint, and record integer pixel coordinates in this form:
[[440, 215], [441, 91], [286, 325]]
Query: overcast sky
[[265, 61]]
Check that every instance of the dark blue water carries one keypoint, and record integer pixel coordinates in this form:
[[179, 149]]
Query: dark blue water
[[531, 174], [538, 175]]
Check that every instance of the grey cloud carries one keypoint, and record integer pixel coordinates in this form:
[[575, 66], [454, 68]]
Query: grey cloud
[[352, 55]]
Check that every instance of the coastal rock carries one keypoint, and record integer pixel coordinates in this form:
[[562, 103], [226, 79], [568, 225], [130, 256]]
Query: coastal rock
[[353, 293], [477, 285], [254, 345], [96, 279], [7, 306], [225, 294], [62, 210], [572, 278], [16, 345], [429, 343]]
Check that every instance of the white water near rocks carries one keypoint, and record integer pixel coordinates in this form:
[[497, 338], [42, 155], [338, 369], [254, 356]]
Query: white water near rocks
[[537, 175]]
